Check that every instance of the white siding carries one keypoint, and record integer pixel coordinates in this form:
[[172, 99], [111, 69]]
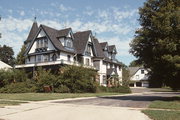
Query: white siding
[[138, 76]]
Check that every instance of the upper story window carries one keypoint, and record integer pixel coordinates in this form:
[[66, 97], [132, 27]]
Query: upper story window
[[142, 71], [88, 50], [42, 43], [68, 57], [69, 43]]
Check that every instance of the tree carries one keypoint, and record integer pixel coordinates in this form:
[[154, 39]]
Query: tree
[[157, 42], [135, 63], [20, 57], [6, 55]]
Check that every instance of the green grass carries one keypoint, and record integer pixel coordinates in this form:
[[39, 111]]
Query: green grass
[[6, 103], [165, 105], [50, 96], [173, 112], [162, 114]]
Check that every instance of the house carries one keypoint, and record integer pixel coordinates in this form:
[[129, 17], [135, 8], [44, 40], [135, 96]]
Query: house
[[4, 66], [138, 77], [51, 48]]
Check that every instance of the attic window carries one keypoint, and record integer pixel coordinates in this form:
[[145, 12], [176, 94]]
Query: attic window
[[142, 71], [69, 43]]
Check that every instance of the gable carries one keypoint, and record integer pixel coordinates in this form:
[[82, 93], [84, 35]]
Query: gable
[[41, 36]]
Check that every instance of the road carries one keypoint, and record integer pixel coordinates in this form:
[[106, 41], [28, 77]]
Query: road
[[124, 107], [138, 100]]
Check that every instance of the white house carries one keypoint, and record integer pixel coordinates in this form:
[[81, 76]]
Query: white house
[[4, 66], [52, 48], [138, 77]]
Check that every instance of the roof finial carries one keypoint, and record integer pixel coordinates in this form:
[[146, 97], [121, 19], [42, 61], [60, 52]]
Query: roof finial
[[35, 18]]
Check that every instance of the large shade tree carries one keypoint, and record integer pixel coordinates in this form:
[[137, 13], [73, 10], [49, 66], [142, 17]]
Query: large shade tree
[[7, 54], [157, 42]]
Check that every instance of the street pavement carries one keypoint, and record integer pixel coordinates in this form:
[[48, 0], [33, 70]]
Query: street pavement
[[121, 107]]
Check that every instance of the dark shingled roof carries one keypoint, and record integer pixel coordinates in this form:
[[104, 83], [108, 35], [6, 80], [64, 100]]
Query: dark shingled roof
[[103, 45], [133, 70], [111, 48], [99, 53], [53, 34], [80, 41], [32, 32], [64, 32]]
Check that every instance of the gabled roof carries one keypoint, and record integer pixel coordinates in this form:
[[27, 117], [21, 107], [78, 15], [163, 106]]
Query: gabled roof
[[133, 70], [4, 65], [53, 35], [80, 41], [64, 32], [32, 32], [99, 53], [103, 45], [111, 48]]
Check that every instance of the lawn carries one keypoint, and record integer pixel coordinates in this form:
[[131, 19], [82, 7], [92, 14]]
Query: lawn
[[171, 109], [50, 96], [6, 103], [162, 114]]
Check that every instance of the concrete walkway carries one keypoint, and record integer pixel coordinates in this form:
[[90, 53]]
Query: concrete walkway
[[46, 110]]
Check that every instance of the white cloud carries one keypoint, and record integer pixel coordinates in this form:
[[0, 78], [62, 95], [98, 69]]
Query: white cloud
[[61, 7], [22, 13], [10, 11], [122, 46]]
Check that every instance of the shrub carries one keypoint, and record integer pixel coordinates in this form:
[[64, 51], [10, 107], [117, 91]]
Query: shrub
[[19, 87], [78, 79], [62, 89], [44, 78]]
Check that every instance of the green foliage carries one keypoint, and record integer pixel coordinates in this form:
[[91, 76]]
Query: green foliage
[[20, 57], [135, 63], [19, 87], [118, 89], [77, 79], [125, 77], [6, 54], [157, 43], [44, 78]]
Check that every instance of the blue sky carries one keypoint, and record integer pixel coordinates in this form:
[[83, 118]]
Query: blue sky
[[114, 21]]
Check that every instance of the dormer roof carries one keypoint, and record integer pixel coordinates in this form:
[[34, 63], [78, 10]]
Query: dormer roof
[[80, 40]]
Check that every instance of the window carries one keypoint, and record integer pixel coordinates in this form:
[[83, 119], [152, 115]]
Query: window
[[87, 61], [37, 43], [104, 79], [54, 57], [69, 57], [39, 58], [137, 76], [142, 71], [45, 43], [41, 43], [69, 43], [46, 57]]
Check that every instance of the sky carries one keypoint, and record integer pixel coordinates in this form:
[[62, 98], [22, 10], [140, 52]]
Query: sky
[[112, 21]]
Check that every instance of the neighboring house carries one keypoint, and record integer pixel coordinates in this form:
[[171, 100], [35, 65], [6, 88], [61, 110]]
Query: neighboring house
[[138, 77], [4, 66], [52, 48]]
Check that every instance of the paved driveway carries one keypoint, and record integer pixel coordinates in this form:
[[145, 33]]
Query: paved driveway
[[138, 100], [124, 107]]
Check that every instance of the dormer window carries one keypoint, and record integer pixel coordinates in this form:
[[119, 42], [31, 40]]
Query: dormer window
[[69, 43]]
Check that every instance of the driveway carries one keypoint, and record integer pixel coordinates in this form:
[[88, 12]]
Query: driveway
[[124, 107]]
